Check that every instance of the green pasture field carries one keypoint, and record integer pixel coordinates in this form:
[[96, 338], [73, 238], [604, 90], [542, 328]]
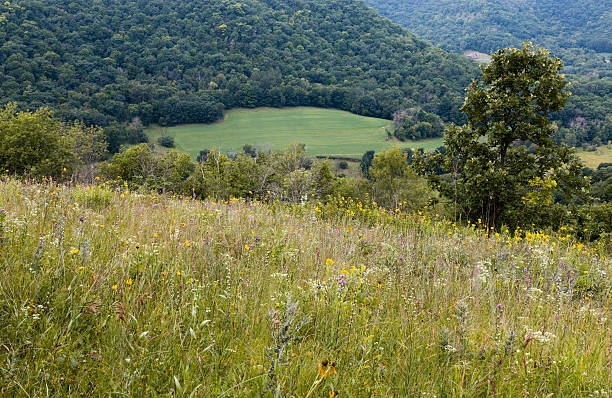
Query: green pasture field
[[603, 154], [324, 131]]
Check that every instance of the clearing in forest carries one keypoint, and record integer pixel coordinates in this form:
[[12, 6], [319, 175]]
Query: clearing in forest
[[323, 131]]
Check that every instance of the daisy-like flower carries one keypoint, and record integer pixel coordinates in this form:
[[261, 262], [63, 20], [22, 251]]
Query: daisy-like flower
[[331, 369], [323, 368]]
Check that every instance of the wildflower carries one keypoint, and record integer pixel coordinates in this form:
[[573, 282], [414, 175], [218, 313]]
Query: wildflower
[[155, 235], [323, 368], [74, 251], [114, 287], [333, 394], [129, 282], [187, 243], [247, 247], [329, 262], [331, 370], [178, 273]]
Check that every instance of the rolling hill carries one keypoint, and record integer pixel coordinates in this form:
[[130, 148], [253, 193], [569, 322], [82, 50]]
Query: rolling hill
[[174, 62], [576, 32]]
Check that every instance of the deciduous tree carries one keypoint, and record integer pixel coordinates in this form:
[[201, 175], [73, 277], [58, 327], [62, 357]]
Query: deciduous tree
[[498, 157]]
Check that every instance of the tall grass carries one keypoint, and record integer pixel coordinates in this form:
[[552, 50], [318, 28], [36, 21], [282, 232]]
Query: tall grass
[[105, 292]]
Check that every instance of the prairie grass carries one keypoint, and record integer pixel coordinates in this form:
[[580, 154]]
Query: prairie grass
[[106, 292]]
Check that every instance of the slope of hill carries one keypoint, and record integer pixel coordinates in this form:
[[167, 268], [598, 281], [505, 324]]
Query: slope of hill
[[104, 292], [578, 32], [185, 61]]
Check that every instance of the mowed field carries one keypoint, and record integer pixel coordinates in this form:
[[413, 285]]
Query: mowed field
[[323, 131]]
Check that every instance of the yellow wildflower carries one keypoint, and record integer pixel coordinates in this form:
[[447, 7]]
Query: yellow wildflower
[[323, 368]]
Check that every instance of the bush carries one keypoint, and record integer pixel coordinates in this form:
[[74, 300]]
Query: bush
[[166, 141], [343, 165], [32, 142]]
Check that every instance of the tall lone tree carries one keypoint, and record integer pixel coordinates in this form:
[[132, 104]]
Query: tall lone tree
[[503, 164]]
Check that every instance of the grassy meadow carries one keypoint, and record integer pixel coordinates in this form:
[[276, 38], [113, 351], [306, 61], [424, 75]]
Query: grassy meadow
[[107, 292], [324, 131], [592, 159]]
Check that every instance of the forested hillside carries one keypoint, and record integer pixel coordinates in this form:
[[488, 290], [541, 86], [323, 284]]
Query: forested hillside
[[578, 32], [172, 62]]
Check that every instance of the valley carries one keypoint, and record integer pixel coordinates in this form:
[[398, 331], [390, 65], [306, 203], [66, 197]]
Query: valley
[[305, 198]]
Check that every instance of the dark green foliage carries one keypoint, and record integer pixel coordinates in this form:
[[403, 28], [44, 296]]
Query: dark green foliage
[[118, 134], [601, 182], [172, 62], [574, 31], [414, 124], [366, 162], [578, 32], [342, 165], [503, 165], [166, 141]]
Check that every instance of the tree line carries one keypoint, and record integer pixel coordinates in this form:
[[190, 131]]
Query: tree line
[[123, 65], [501, 168], [576, 32]]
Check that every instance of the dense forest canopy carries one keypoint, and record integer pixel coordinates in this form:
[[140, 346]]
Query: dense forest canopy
[[172, 62], [578, 32]]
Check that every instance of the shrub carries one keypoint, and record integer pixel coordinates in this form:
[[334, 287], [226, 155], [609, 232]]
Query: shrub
[[166, 141]]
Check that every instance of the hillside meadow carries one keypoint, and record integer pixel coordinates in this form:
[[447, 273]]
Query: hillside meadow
[[325, 132], [592, 159], [109, 292]]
